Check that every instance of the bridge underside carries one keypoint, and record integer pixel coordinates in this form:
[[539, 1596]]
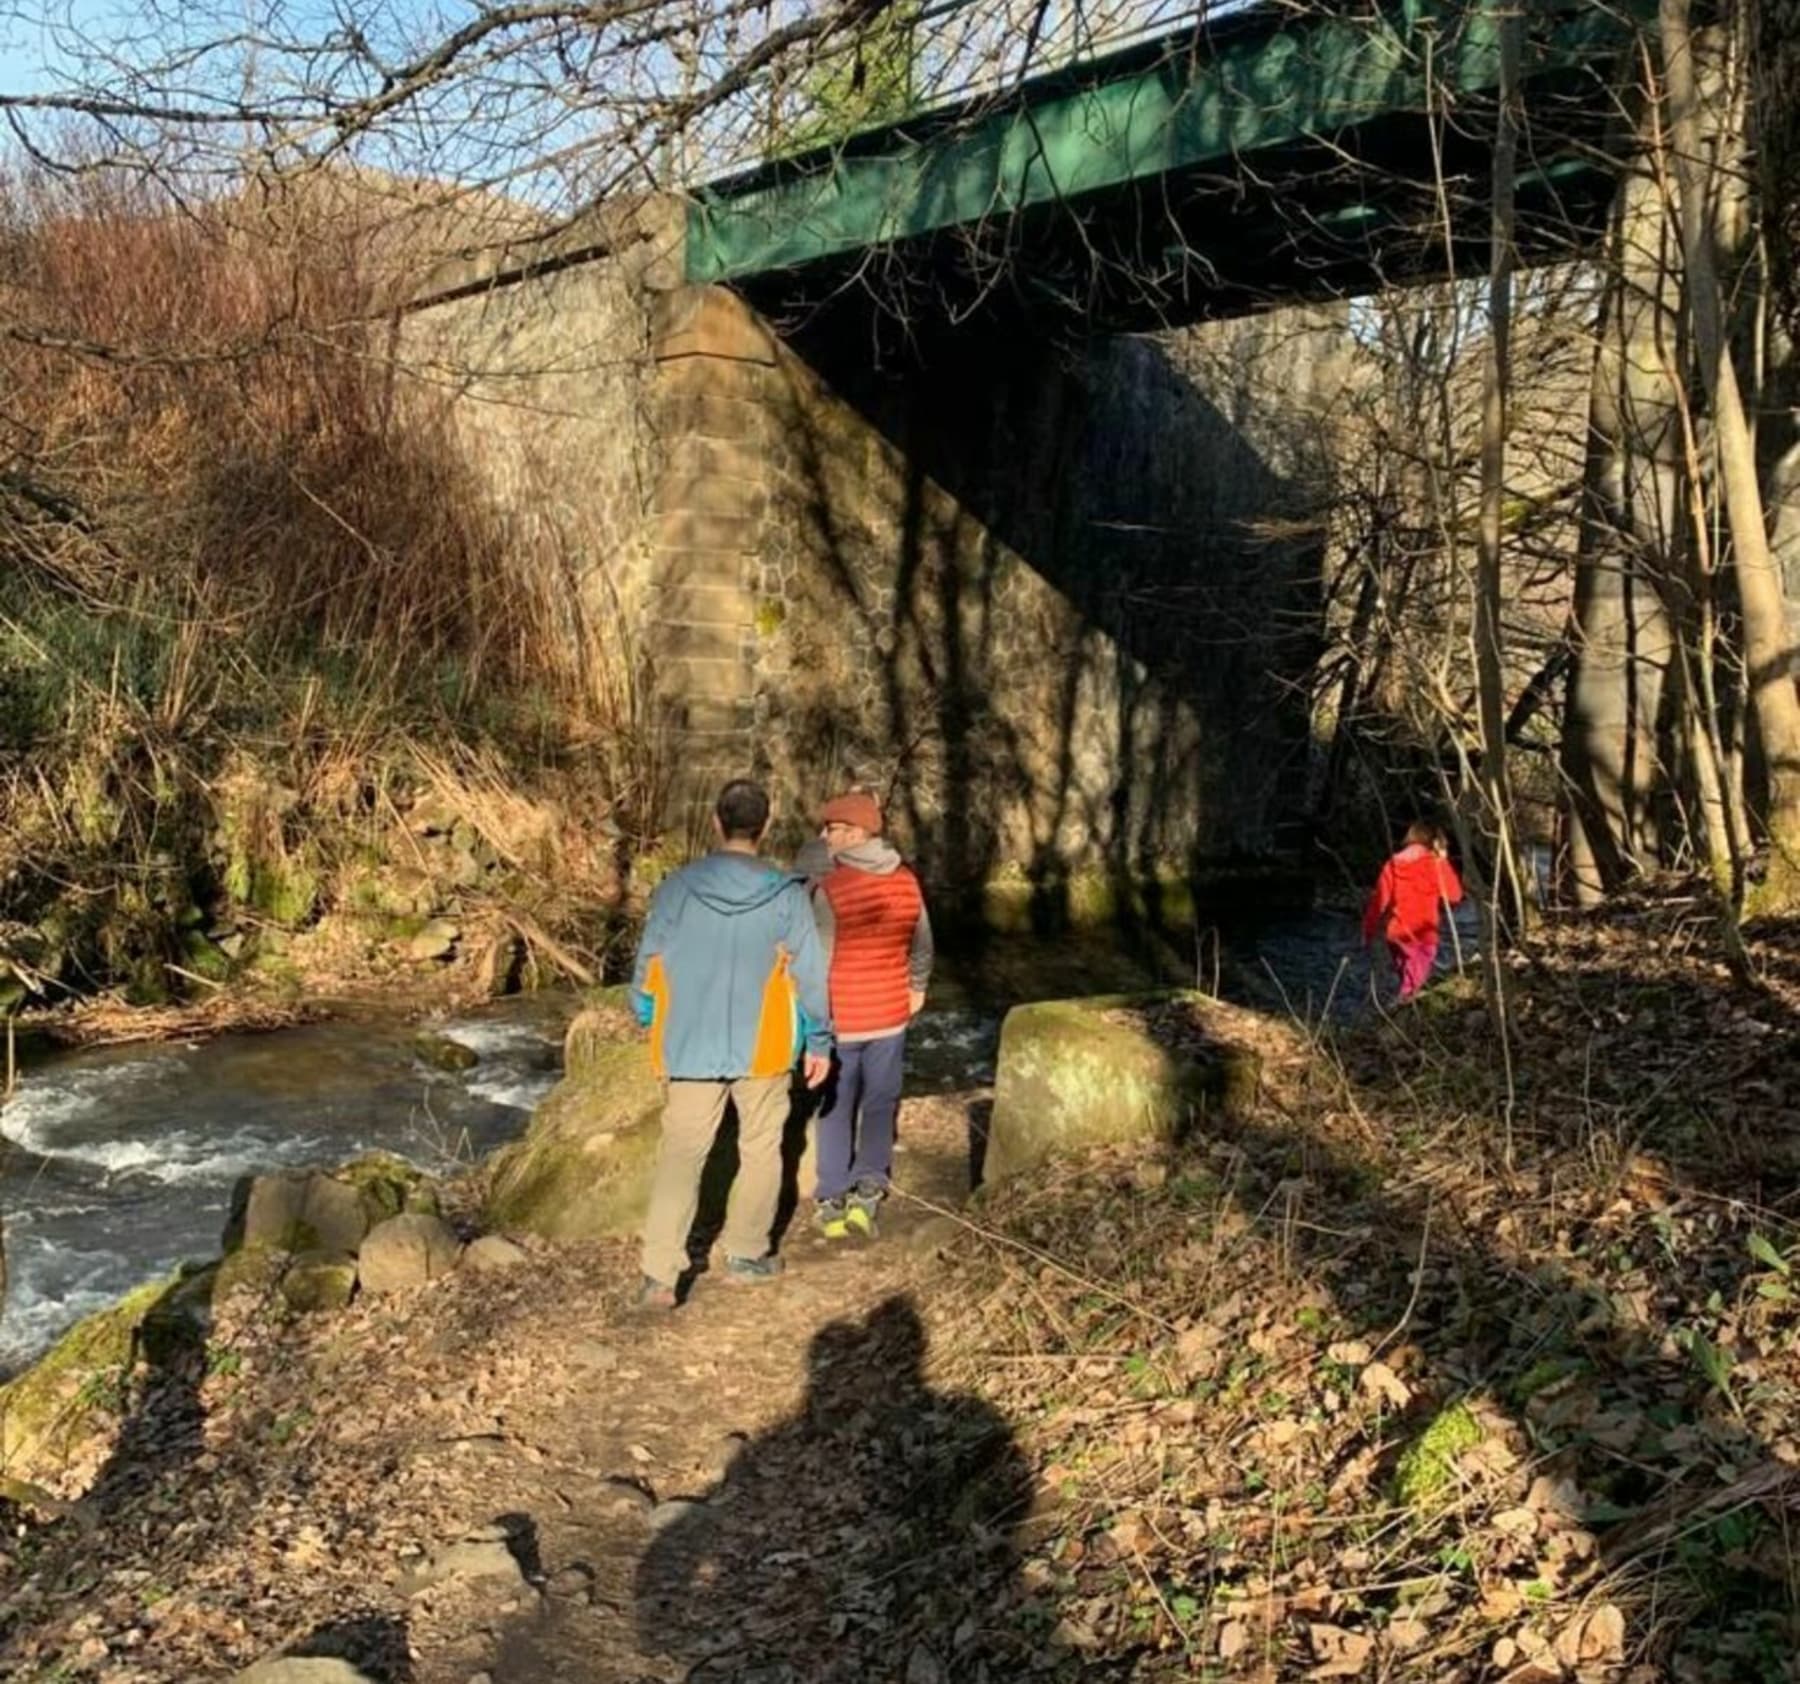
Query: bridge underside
[[1285, 162]]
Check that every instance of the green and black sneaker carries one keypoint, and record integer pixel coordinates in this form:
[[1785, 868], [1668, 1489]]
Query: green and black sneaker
[[831, 1219], [861, 1207]]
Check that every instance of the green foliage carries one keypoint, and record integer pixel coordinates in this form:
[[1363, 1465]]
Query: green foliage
[[1765, 1253], [862, 79], [1429, 1463], [1712, 1362]]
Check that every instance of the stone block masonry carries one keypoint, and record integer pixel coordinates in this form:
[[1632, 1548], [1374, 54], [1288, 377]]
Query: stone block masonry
[[712, 363], [1019, 591]]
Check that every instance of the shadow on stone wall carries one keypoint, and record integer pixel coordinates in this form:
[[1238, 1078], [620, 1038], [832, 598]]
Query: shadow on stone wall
[[1050, 600]]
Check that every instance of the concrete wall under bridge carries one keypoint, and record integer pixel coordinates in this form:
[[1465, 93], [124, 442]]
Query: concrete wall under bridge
[[1047, 598]]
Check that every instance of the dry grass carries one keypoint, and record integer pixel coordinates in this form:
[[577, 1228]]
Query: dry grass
[[252, 607], [1333, 1392]]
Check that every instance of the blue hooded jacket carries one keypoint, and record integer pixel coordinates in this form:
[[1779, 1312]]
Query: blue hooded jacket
[[730, 973]]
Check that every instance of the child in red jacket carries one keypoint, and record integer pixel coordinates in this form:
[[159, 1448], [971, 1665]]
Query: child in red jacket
[[1404, 905]]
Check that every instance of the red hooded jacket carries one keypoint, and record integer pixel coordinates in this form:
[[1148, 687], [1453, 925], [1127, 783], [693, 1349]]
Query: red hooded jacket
[[1404, 904]]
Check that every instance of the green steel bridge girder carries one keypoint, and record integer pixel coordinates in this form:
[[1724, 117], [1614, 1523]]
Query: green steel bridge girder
[[1207, 98]]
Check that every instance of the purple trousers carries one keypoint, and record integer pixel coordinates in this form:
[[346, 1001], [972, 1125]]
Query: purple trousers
[[856, 1126], [1412, 963]]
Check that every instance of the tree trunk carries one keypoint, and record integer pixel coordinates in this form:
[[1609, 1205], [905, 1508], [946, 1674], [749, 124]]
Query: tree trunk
[[1509, 898], [1631, 506], [1768, 647]]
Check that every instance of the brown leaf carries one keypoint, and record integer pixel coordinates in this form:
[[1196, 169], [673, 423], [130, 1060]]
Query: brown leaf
[[1341, 1653], [1602, 1636], [1406, 1634], [1381, 1381]]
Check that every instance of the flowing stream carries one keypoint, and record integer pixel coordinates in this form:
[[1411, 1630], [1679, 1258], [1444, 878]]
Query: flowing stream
[[119, 1163], [115, 1165]]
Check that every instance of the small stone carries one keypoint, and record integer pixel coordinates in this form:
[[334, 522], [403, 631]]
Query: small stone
[[436, 941], [628, 1497], [494, 1252], [724, 1452], [443, 1053], [302, 1669], [668, 1513], [573, 1584], [407, 1251], [922, 1667], [485, 1562]]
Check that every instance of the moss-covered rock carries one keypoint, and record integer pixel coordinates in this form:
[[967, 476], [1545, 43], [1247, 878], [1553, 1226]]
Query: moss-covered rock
[[203, 957], [583, 1169], [605, 1020], [321, 1211], [319, 1280], [254, 1268], [388, 1186], [442, 1053], [58, 1403], [1075, 1074], [308, 1211]]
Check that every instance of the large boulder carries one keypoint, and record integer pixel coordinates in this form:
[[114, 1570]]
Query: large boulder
[[304, 1211], [53, 1411], [407, 1251], [583, 1170], [1075, 1074]]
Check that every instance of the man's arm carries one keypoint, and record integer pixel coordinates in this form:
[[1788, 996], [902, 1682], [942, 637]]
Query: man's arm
[[800, 932], [825, 917], [919, 959], [1380, 898], [657, 927]]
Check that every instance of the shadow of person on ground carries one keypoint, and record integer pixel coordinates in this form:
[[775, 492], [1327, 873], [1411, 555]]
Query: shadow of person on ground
[[165, 1419], [869, 1536], [376, 1644]]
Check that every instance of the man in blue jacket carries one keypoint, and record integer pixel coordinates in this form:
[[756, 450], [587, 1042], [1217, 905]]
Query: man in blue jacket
[[730, 981]]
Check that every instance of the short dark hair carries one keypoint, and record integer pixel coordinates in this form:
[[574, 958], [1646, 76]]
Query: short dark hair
[[742, 810], [1424, 834]]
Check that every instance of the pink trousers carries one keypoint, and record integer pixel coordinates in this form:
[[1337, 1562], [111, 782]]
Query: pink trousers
[[1412, 963]]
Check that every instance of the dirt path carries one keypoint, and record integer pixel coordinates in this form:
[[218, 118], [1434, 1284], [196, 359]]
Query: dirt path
[[647, 1471], [667, 1487]]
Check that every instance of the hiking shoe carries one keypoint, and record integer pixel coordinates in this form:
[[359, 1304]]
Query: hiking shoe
[[752, 1271], [653, 1295], [830, 1217], [860, 1208]]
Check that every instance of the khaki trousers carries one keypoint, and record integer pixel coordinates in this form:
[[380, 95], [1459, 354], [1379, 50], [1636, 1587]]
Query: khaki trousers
[[691, 1116]]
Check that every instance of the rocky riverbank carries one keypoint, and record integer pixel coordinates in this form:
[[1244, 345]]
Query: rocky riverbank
[[1404, 1360]]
